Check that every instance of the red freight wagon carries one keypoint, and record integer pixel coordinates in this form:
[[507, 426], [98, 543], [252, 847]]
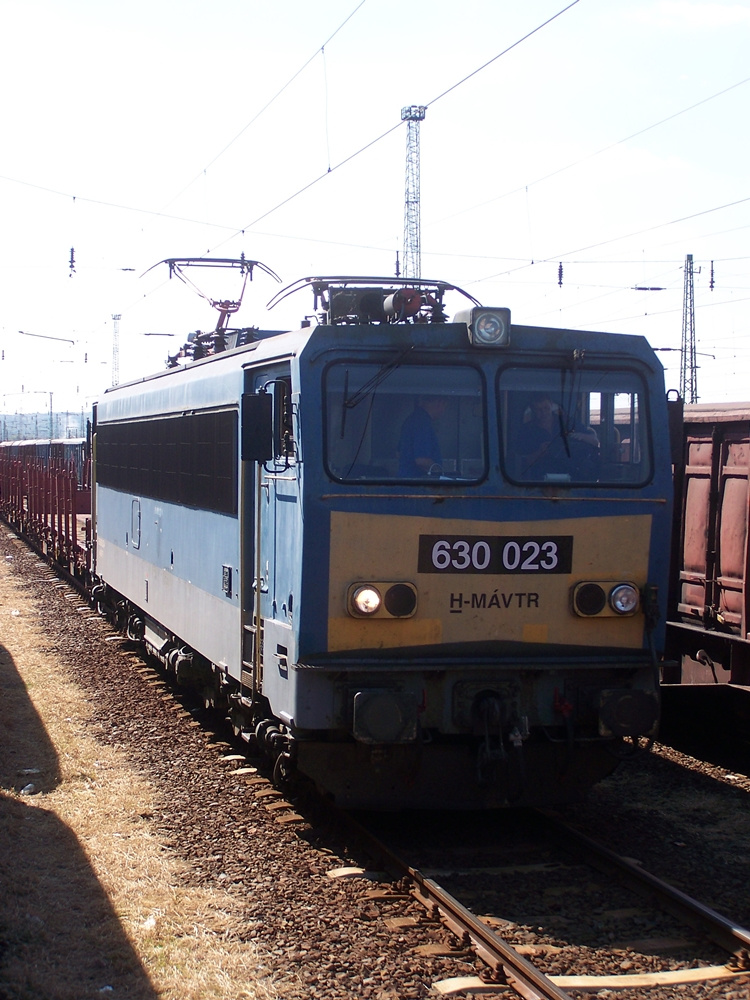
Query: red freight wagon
[[708, 633]]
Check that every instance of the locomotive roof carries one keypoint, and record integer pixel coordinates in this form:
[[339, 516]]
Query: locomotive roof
[[550, 343]]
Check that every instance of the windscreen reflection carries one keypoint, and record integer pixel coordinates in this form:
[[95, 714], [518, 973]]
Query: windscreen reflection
[[404, 423], [585, 427]]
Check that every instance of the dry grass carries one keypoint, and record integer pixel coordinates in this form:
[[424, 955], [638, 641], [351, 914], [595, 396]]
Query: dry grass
[[92, 902]]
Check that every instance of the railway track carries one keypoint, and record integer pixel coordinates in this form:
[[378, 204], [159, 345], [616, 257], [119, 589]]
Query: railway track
[[468, 896], [482, 896], [448, 897], [502, 891]]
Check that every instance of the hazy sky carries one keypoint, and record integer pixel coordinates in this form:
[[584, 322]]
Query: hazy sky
[[613, 140]]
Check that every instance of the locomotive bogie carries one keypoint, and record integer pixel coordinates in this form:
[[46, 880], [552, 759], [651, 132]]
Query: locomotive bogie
[[453, 774]]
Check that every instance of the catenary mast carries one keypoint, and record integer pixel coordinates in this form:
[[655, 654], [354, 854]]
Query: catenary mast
[[116, 317], [688, 366], [412, 226]]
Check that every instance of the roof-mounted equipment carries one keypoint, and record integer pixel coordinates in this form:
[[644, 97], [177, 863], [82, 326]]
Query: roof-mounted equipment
[[361, 301], [487, 327], [201, 344]]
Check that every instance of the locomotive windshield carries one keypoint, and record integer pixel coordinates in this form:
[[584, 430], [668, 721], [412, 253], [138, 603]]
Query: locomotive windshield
[[403, 422], [586, 426], [411, 423]]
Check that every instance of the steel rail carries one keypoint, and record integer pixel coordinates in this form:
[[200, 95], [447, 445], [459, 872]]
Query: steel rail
[[528, 981], [500, 956], [505, 961], [722, 931]]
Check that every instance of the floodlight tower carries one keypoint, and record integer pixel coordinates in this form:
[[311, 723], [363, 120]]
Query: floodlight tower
[[688, 366], [116, 317], [412, 225]]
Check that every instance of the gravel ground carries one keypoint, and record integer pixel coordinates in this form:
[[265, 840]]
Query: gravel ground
[[685, 820], [319, 936], [329, 937]]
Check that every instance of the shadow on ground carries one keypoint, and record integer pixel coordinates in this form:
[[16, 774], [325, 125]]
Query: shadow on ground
[[60, 939]]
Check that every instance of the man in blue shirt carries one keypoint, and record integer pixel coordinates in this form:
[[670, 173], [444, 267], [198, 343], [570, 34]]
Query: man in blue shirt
[[418, 447]]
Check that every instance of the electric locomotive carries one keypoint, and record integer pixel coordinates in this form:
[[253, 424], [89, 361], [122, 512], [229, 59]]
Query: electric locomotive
[[419, 560]]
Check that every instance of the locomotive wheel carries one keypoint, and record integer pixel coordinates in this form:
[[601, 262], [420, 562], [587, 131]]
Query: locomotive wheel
[[283, 771]]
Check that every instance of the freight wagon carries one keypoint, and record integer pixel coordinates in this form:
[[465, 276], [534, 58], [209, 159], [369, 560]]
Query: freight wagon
[[708, 632]]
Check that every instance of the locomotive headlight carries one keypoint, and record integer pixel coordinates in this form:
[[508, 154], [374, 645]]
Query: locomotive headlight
[[624, 599], [487, 327], [366, 600], [382, 599], [605, 598]]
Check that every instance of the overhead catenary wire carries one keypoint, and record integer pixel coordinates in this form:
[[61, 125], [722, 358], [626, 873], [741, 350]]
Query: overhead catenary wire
[[319, 50], [398, 125], [650, 229], [373, 142], [499, 55], [616, 239], [590, 156], [234, 230]]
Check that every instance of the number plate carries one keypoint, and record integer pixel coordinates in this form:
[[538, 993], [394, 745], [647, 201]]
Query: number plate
[[496, 554]]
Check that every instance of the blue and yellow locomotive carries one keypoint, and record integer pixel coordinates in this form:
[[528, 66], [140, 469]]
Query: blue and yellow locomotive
[[420, 561]]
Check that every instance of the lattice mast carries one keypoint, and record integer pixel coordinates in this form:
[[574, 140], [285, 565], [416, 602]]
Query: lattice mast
[[116, 317], [412, 267], [688, 366]]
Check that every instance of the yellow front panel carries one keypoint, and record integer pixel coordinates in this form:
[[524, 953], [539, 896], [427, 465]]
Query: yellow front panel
[[473, 606]]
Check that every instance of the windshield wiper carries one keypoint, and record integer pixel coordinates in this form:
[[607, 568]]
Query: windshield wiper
[[349, 402], [377, 379]]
